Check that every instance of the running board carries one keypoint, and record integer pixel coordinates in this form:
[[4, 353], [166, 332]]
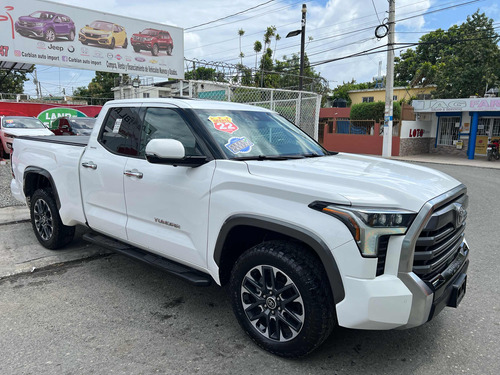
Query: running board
[[186, 273]]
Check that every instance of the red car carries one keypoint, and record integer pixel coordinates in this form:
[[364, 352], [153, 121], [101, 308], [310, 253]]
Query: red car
[[73, 125], [153, 40]]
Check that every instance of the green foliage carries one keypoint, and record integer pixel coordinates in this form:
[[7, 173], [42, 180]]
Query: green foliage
[[342, 91], [205, 74], [12, 82], [373, 111], [461, 61], [100, 87]]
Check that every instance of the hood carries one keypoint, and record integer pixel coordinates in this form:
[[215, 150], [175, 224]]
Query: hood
[[28, 132], [361, 180], [95, 31]]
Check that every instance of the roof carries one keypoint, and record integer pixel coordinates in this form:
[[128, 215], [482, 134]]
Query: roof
[[334, 112], [191, 104]]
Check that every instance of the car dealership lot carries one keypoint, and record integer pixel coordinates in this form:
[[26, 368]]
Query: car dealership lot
[[113, 315]]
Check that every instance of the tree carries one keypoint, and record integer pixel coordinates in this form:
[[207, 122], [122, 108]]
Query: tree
[[342, 91], [100, 87], [12, 82], [241, 32], [257, 47], [205, 74], [461, 61]]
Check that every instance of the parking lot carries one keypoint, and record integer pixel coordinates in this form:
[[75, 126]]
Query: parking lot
[[107, 314]]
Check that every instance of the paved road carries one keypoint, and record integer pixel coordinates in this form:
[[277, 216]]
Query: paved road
[[113, 315]]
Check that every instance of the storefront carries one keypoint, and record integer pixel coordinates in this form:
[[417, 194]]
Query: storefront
[[459, 126]]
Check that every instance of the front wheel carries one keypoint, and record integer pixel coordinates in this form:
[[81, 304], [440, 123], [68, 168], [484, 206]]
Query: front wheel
[[125, 43], [112, 44], [155, 50], [71, 35], [281, 297], [46, 222], [49, 35], [489, 155]]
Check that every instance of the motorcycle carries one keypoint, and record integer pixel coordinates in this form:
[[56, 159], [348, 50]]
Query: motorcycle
[[492, 149]]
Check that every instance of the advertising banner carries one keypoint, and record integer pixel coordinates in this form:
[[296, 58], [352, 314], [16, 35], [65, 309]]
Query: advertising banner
[[457, 105], [47, 33]]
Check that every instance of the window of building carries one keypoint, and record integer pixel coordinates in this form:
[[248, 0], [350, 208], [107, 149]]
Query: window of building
[[394, 97], [145, 94], [367, 99], [121, 131], [449, 128], [424, 96]]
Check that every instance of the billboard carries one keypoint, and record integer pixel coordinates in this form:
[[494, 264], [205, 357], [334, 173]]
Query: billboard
[[48, 33]]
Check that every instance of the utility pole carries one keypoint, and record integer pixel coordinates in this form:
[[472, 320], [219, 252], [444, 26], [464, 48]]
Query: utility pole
[[35, 81], [302, 45], [389, 83]]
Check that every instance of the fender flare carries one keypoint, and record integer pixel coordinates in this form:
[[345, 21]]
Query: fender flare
[[47, 175], [290, 230]]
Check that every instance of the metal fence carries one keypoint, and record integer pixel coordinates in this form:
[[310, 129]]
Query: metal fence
[[363, 127], [300, 107]]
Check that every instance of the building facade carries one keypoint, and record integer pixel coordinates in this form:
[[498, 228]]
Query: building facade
[[400, 93]]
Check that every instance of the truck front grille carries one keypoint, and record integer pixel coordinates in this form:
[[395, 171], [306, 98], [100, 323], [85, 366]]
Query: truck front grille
[[439, 242]]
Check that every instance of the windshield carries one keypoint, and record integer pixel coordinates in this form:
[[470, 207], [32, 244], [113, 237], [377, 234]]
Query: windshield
[[82, 123], [22, 123], [42, 15], [99, 25], [247, 134], [149, 32]]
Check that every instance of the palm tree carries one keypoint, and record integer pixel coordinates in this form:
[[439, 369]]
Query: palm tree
[[241, 32], [278, 37], [257, 47]]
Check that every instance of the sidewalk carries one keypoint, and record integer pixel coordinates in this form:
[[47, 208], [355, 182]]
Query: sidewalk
[[477, 162]]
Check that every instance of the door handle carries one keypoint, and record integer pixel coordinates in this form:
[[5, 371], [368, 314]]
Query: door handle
[[133, 173], [89, 164]]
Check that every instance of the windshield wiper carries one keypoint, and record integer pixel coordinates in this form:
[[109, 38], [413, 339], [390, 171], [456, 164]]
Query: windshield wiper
[[269, 157]]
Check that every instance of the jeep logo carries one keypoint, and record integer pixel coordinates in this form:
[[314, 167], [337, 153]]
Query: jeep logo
[[57, 48]]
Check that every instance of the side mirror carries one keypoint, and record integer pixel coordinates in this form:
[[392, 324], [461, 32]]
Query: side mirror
[[171, 152]]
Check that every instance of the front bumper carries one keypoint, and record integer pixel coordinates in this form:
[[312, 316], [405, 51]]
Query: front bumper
[[37, 31], [142, 45], [100, 41]]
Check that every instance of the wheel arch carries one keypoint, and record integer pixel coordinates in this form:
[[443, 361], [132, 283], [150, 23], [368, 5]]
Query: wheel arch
[[38, 178], [241, 232]]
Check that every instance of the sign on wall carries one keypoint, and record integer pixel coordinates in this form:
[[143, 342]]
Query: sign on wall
[[43, 32], [457, 105]]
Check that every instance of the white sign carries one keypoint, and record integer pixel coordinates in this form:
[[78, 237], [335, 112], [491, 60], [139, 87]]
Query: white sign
[[43, 32], [457, 105]]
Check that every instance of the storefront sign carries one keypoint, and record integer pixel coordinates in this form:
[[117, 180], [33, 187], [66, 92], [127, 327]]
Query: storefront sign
[[43, 32], [457, 105], [49, 115]]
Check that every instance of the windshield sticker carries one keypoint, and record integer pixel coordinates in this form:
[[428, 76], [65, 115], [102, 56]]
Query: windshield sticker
[[9, 121], [118, 123], [239, 145], [223, 124]]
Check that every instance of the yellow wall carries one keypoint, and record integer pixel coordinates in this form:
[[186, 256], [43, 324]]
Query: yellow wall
[[379, 94]]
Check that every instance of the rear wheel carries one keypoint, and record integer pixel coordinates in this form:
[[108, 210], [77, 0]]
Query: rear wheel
[[71, 36], [169, 49], [46, 222], [489, 155], [281, 297]]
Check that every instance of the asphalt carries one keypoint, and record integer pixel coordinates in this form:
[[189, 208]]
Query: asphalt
[[20, 252]]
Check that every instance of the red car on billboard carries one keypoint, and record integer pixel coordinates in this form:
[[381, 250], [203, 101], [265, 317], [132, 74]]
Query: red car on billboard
[[152, 40]]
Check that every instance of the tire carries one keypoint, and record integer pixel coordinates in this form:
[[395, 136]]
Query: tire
[[489, 155], [169, 50], [84, 42], [155, 50], [112, 45], [125, 43], [49, 35], [281, 297], [46, 222], [3, 154], [71, 36], [137, 49]]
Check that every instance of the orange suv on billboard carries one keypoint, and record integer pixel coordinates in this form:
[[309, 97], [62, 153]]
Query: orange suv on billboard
[[152, 40], [104, 33]]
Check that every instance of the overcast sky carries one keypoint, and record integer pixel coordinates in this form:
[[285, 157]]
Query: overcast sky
[[334, 25]]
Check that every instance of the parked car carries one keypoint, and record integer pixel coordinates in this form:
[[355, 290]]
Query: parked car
[[46, 25], [104, 33], [152, 40], [72, 125], [305, 239], [15, 126]]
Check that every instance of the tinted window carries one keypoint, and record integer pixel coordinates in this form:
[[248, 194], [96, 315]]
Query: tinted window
[[121, 131], [167, 123]]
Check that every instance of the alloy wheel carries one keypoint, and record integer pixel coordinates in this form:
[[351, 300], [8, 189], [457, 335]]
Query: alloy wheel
[[43, 219]]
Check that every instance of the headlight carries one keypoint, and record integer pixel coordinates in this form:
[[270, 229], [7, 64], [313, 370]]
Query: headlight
[[367, 225], [9, 135], [105, 35]]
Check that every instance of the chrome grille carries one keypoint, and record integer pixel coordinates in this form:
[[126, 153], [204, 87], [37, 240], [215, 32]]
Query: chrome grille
[[439, 242]]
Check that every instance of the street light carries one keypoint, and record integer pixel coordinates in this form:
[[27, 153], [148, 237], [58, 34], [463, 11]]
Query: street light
[[302, 43]]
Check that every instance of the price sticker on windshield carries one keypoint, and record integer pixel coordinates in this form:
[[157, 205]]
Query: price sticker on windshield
[[223, 124]]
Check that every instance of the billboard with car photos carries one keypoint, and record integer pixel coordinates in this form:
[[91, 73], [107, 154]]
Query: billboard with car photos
[[48, 33]]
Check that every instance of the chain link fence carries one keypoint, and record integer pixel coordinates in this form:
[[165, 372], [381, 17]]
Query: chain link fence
[[300, 107]]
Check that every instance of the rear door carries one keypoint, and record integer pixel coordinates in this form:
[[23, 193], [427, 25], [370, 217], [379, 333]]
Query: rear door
[[102, 167], [167, 206]]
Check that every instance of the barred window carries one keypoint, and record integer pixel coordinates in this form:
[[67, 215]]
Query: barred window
[[448, 130]]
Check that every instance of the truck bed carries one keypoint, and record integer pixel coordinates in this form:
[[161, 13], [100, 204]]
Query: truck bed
[[70, 140]]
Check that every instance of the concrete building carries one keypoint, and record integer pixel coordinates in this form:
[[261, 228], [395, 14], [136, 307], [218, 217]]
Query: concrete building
[[400, 93]]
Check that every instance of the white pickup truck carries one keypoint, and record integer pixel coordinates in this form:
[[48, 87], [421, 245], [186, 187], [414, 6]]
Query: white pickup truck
[[213, 191]]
